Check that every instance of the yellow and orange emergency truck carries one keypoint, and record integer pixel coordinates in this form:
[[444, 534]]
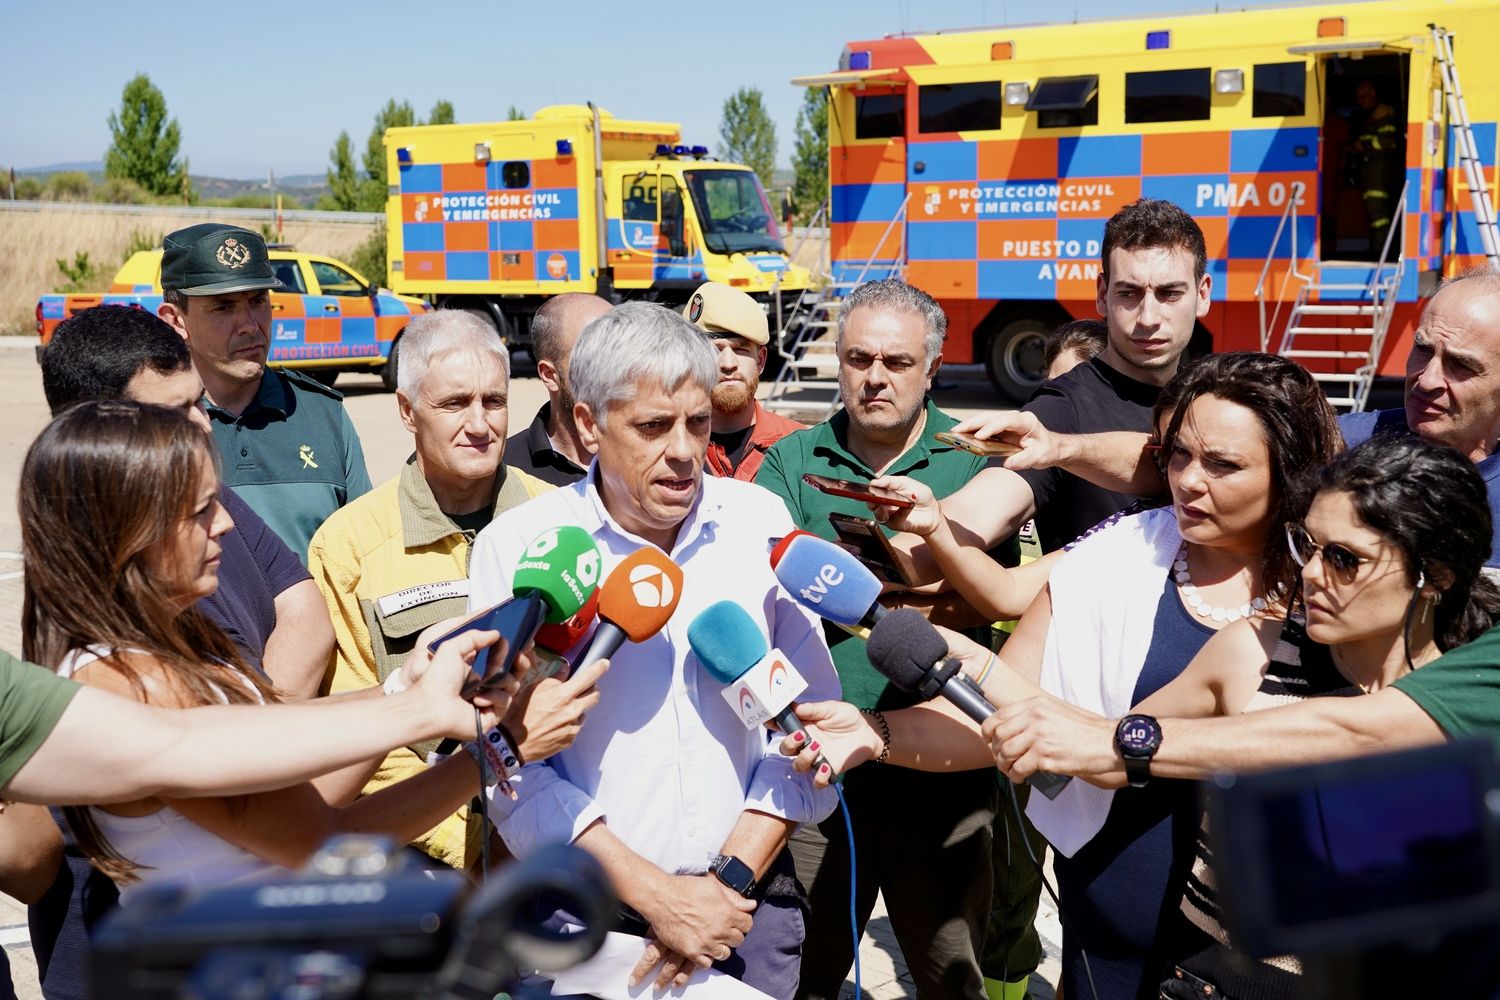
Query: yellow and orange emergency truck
[[498, 217], [326, 318], [982, 164]]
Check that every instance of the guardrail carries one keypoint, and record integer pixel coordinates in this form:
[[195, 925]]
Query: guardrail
[[193, 211]]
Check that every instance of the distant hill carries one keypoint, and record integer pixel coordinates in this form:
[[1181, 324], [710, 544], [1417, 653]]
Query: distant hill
[[304, 189]]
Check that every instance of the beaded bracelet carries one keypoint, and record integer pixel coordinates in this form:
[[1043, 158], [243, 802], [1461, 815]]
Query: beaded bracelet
[[885, 733]]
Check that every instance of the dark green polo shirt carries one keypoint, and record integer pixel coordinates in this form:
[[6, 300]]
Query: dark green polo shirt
[[823, 450], [293, 455]]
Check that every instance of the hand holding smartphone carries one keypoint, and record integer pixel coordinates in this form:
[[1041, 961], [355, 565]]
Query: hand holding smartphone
[[987, 447], [863, 492], [517, 620], [868, 542]]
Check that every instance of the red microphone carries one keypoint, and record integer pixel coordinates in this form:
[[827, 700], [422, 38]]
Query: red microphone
[[635, 603]]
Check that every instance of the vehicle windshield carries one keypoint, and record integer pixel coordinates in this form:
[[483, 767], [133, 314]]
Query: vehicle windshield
[[733, 212]]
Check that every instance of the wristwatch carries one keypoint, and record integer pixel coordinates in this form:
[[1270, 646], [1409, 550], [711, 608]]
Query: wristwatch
[[1137, 738], [734, 873]]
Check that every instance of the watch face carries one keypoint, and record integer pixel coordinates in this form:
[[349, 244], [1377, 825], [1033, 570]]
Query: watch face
[[1138, 735]]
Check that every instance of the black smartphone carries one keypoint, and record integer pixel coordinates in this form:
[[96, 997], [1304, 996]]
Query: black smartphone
[[517, 620], [857, 491], [871, 545]]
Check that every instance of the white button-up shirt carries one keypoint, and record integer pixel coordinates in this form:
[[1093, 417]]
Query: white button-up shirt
[[663, 759]]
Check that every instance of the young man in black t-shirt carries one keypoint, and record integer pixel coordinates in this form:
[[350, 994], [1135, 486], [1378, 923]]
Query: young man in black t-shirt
[[1152, 288]]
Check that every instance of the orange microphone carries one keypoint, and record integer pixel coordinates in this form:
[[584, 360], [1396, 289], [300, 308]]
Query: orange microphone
[[635, 603]]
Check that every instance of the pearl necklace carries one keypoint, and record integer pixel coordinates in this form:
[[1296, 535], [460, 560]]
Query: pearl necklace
[[1256, 606]]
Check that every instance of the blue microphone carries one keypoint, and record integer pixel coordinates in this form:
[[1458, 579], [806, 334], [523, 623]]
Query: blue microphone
[[760, 683], [828, 581]]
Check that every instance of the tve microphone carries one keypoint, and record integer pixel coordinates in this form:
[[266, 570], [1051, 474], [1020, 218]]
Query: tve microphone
[[828, 581], [910, 653], [635, 603], [561, 565]]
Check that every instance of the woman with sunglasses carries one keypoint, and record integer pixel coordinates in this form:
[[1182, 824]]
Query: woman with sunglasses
[[120, 521], [1125, 609]]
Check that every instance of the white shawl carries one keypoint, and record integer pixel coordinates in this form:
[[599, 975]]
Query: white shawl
[[1105, 592]]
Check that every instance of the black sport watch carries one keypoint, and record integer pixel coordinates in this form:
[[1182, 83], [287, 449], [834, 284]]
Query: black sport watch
[[1137, 738], [734, 873]]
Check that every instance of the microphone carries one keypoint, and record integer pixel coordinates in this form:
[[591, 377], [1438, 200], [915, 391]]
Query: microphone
[[759, 683], [828, 581], [554, 640], [635, 603], [561, 566], [910, 653]]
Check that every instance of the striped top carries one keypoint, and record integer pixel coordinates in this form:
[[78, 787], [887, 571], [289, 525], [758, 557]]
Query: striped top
[[1299, 669]]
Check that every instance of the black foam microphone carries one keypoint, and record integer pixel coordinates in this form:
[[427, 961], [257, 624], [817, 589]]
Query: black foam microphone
[[910, 653]]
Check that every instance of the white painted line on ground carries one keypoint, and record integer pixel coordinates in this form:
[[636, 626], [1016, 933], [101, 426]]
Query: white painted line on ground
[[13, 575], [15, 934]]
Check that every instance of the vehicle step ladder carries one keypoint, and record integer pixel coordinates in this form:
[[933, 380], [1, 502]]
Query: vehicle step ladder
[[807, 387], [1467, 150]]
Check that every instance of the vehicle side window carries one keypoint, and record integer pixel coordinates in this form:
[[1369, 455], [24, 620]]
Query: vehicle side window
[[640, 199], [879, 116], [1280, 90], [1168, 95], [290, 275], [958, 107], [515, 174], [334, 280], [1065, 101]]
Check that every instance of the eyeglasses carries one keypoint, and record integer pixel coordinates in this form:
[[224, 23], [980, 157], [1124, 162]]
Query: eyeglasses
[[1342, 561]]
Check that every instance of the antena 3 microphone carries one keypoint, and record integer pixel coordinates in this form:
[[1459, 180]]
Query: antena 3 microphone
[[828, 581], [910, 653], [635, 603]]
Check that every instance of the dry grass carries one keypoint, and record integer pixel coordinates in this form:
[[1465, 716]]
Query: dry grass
[[32, 242]]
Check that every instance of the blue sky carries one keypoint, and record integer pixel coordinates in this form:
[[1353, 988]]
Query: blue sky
[[257, 86]]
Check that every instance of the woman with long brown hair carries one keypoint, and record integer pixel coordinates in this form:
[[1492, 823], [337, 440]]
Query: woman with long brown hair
[[120, 521]]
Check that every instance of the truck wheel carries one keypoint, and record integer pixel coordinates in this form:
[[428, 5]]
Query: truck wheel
[[388, 373], [1014, 357]]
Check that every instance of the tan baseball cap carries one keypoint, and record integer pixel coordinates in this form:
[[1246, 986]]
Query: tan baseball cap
[[716, 308]]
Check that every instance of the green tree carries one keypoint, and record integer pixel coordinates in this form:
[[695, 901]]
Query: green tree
[[343, 180], [747, 133], [373, 187], [144, 142], [514, 114], [442, 113], [810, 154]]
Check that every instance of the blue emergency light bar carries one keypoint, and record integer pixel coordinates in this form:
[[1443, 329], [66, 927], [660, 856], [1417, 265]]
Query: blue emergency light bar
[[564, 147], [403, 154], [1158, 40], [662, 149], [859, 60], [700, 150]]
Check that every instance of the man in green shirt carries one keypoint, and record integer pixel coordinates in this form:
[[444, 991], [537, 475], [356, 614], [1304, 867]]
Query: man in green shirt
[[923, 840], [290, 451]]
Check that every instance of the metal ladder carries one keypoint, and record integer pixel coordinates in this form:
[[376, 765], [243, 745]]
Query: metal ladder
[[807, 387], [1467, 149], [1337, 320]]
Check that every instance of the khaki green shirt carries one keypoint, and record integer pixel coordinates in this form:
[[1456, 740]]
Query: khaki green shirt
[[823, 450]]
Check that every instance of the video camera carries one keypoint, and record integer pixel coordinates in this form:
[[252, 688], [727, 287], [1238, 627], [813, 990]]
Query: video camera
[[359, 924], [1381, 873]]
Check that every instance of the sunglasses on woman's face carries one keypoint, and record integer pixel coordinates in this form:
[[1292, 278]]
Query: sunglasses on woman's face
[[1340, 560]]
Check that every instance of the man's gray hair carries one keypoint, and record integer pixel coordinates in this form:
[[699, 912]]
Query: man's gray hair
[[638, 342], [1483, 275], [439, 332], [895, 294]]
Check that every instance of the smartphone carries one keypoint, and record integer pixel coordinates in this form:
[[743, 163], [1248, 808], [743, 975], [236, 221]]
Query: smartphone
[[869, 543], [517, 620], [978, 446], [857, 491]]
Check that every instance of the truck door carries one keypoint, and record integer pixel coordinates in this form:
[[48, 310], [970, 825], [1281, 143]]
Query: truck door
[[1365, 100], [347, 303], [288, 319]]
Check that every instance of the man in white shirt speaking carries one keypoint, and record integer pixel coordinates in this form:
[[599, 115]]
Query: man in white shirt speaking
[[681, 803]]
